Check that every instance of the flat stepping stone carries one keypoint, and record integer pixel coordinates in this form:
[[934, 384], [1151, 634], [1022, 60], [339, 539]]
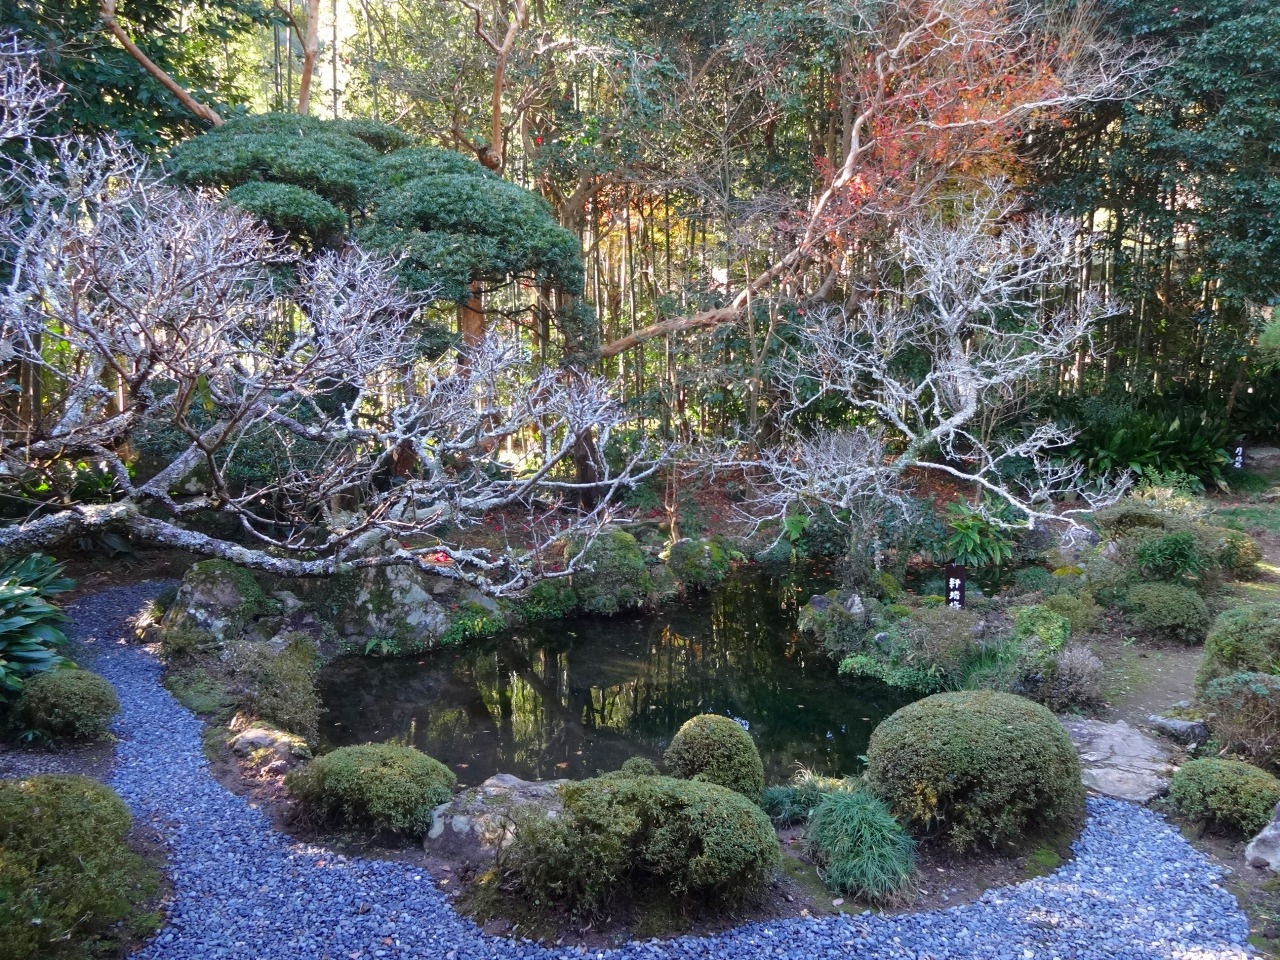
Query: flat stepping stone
[[1119, 760]]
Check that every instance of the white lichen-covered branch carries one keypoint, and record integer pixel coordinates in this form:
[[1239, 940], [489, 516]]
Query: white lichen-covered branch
[[199, 368], [926, 364]]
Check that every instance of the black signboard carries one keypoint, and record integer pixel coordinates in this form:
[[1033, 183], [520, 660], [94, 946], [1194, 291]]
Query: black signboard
[[955, 585]]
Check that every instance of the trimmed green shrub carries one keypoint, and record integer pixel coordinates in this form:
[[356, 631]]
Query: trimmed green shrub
[[1238, 553], [65, 871], [1244, 715], [717, 750], [1242, 640], [1080, 612], [1169, 611], [1041, 624], [858, 846], [618, 578], [280, 686], [1107, 580], [375, 786], [1225, 793], [617, 834], [68, 704], [976, 766], [638, 767]]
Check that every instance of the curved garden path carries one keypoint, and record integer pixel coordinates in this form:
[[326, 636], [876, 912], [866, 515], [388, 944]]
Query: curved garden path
[[242, 891]]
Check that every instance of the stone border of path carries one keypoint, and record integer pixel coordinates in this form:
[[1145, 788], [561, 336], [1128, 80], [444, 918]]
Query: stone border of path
[[242, 891]]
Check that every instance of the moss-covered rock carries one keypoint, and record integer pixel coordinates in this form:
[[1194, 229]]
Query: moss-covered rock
[[699, 564], [217, 599], [615, 576]]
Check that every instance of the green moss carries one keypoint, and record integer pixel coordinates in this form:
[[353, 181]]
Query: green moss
[[717, 750], [976, 767], [1242, 640], [618, 577], [1225, 793], [66, 876], [279, 686], [68, 704], [622, 837], [698, 564], [253, 601], [1042, 861], [1080, 612], [197, 690], [472, 622], [1041, 624], [549, 600], [185, 640], [376, 786]]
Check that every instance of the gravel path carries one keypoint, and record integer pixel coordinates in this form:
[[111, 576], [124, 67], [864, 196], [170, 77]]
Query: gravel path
[[1135, 889]]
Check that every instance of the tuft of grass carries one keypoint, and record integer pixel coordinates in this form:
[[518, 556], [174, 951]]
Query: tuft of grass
[[860, 848], [1042, 861]]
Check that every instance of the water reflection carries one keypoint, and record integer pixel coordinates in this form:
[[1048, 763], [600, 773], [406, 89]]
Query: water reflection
[[575, 697]]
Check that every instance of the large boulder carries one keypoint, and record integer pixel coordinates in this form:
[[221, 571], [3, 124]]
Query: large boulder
[[478, 821], [1263, 850], [219, 599]]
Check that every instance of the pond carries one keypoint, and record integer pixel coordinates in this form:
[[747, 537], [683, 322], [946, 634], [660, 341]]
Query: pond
[[573, 697]]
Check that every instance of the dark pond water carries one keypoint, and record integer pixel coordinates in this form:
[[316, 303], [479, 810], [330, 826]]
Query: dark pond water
[[575, 697]]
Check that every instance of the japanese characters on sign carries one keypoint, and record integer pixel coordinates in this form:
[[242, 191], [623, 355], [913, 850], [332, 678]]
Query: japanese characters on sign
[[955, 586], [1238, 460]]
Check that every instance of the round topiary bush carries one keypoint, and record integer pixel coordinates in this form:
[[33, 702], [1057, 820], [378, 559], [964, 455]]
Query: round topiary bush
[[716, 749], [64, 867], [68, 704], [976, 766], [1168, 611], [1225, 793], [638, 767], [1242, 640], [376, 786], [860, 849], [619, 835]]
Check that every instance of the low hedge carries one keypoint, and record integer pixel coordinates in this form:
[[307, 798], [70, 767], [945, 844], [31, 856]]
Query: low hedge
[[1241, 640]]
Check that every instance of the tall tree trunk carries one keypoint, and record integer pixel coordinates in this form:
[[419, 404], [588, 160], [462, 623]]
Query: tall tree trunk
[[310, 50]]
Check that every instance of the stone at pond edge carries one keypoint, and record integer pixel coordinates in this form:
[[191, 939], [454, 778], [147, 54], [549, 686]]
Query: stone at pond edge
[[1264, 849], [283, 750], [477, 821], [1118, 760], [1184, 731]]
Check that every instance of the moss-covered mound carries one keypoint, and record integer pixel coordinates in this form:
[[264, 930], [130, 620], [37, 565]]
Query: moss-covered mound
[[375, 786], [66, 875], [717, 750], [68, 704], [619, 835], [1241, 640], [976, 767]]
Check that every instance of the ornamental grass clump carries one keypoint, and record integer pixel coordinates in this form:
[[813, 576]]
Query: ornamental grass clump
[[976, 767], [620, 836], [860, 849], [717, 750], [1242, 640], [66, 874], [67, 704], [376, 786], [1226, 794]]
